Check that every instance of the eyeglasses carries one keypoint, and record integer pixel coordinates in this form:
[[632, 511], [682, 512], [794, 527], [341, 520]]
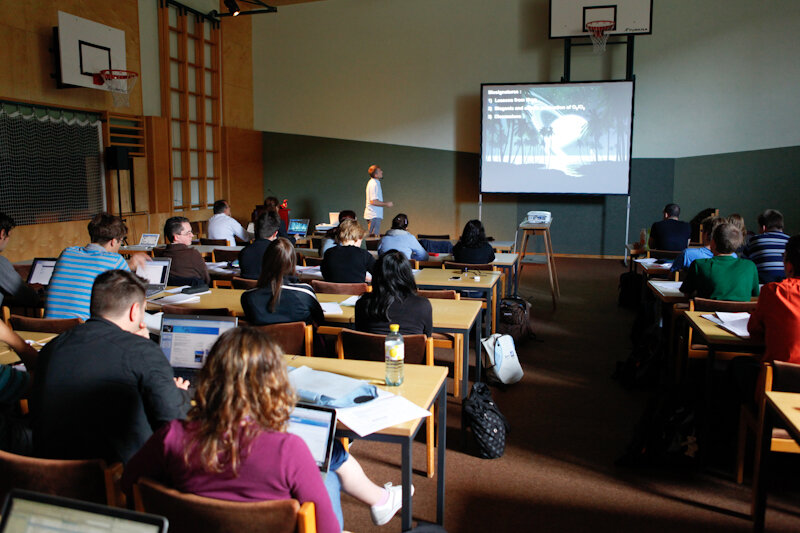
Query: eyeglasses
[[186, 233]]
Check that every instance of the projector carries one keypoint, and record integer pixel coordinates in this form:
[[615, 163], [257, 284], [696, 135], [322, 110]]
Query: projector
[[539, 217]]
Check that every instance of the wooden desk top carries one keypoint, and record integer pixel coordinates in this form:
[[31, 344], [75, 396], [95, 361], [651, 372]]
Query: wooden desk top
[[787, 405], [715, 335], [420, 385], [10, 357], [441, 278], [527, 226], [668, 291]]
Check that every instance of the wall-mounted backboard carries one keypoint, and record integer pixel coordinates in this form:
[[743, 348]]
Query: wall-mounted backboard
[[568, 18], [87, 47]]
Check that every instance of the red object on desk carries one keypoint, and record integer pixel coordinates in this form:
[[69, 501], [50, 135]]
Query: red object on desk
[[434, 255]]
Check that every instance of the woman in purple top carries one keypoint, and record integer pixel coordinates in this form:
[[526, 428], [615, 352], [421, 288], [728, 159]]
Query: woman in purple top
[[233, 445]]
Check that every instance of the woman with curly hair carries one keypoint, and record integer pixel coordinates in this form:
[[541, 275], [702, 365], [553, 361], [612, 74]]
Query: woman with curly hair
[[234, 446]]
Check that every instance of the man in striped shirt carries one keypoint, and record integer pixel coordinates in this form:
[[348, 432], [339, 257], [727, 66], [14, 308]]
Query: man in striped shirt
[[766, 249], [70, 289]]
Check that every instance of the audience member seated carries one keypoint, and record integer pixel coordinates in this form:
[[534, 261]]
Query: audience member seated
[[401, 240], [103, 387], [13, 289], [473, 247], [738, 221], [252, 255], [278, 297], [670, 233], [188, 266], [234, 445], [331, 238], [393, 299], [223, 226], [688, 256], [70, 289], [14, 385], [766, 249], [722, 277], [347, 263], [271, 204]]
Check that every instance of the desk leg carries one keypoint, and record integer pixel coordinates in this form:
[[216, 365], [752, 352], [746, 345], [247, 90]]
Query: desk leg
[[549, 257], [441, 446], [406, 471], [478, 349], [760, 472], [494, 301], [524, 247]]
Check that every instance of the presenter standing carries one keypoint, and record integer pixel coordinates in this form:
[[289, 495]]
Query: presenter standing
[[373, 211]]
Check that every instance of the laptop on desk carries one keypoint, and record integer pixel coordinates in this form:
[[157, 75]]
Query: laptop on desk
[[147, 242], [298, 227], [187, 339], [156, 272], [41, 270], [316, 425]]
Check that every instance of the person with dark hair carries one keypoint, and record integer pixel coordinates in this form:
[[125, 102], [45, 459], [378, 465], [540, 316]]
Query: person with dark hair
[[223, 226], [393, 299], [13, 289], [398, 238], [331, 238], [103, 387], [473, 247], [373, 210], [347, 263], [252, 255], [15, 434], [272, 204], [670, 233], [234, 445], [188, 266], [278, 298], [766, 249], [70, 289], [685, 259], [722, 277]]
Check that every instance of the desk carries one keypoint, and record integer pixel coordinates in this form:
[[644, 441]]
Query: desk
[[507, 261], [669, 294], [10, 357], [655, 270], [532, 230], [423, 385]]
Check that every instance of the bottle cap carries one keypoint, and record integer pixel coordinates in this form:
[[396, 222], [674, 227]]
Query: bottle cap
[[394, 328]]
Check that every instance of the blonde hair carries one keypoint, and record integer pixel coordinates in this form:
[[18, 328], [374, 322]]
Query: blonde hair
[[737, 220], [350, 230]]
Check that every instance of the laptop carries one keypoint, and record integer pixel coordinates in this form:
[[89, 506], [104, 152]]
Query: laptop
[[156, 272], [187, 339], [333, 217], [25, 511], [298, 226], [316, 425], [147, 242], [41, 270]]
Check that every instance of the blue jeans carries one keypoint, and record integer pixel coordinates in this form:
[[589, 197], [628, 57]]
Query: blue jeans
[[374, 227], [332, 482]]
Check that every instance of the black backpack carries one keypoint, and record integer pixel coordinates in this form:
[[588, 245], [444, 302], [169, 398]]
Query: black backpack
[[515, 319], [487, 423]]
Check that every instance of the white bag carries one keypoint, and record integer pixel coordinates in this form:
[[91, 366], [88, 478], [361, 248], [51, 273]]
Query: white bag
[[500, 359]]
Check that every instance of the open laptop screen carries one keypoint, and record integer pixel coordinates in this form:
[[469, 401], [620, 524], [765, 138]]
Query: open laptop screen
[[187, 339], [297, 226], [149, 239], [156, 271], [316, 426], [41, 270]]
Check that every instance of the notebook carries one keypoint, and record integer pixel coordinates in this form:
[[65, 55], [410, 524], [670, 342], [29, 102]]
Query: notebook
[[316, 425], [298, 226], [41, 270], [187, 339], [156, 272], [26, 511]]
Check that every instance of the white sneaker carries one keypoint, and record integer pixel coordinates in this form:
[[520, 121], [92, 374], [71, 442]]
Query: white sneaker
[[381, 514]]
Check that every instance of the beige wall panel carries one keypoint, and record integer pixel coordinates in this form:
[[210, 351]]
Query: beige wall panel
[[237, 72], [243, 164], [237, 106]]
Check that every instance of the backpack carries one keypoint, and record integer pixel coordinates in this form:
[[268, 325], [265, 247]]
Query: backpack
[[500, 359], [630, 289], [515, 319], [488, 425]]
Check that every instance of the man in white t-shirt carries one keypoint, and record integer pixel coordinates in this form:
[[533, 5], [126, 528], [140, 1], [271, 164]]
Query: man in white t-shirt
[[373, 211], [223, 226]]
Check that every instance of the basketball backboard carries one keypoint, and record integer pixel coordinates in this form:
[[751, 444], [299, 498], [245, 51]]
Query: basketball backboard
[[568, 18], [87, 47]]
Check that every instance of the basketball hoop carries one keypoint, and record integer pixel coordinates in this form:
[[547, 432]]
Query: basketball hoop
[[598, 34], [119, 82]]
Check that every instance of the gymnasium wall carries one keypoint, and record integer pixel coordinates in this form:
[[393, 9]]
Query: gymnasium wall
[[398, 84]]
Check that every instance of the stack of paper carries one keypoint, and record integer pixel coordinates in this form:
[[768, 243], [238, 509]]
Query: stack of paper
[[331, 308], [175, 299], [736, 323]]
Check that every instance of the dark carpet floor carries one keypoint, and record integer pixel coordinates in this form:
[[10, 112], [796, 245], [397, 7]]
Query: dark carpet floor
[[569, 422]]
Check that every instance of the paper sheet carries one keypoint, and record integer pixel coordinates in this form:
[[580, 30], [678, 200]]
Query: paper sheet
[[350, 302], [736, 323], [175, 299], [668, 288], [331, 308], [646, 260], [380, 413]]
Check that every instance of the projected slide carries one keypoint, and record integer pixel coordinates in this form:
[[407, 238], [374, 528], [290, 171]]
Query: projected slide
[[556, 138]]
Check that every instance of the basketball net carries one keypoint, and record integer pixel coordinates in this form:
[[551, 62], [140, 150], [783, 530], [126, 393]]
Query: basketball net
[[598, 33], [120, 83]]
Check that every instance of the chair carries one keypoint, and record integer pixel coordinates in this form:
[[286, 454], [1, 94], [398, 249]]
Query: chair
[[189, 513], [180, 310], [296, 338], [327, 287], [197, 228], [218, 255], [312, 261], [418, 351], [300, 259], [448, 340], [87, 480], [434, 237], [44, 325], [214, 242], [778, 376], [240, 242], [372, 244], [662, 254], [427, 264], [243, 283]]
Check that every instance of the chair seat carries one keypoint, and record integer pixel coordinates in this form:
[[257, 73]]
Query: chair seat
[[443, 336]]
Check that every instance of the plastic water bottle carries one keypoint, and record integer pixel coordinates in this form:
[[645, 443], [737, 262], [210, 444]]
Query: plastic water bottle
[[394, 349]]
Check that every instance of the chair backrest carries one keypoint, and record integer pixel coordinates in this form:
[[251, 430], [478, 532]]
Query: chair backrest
[[462, 266], [87, 480], [705, 304], [179, 310], [372, 244], [444, 237], [224, 255], [313, 261], [44, 325], [439, 295], [243, 283], [214, 242], [427, 264], [300, 259], [662, 254], [197, 228], [294, 338], [327, 287], [190, 513], [369, 347], [785, 377], [159, 252], [240, 242]]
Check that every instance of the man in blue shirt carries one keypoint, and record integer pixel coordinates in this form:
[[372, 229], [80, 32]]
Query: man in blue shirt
[[766, 249], [401, 240]]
